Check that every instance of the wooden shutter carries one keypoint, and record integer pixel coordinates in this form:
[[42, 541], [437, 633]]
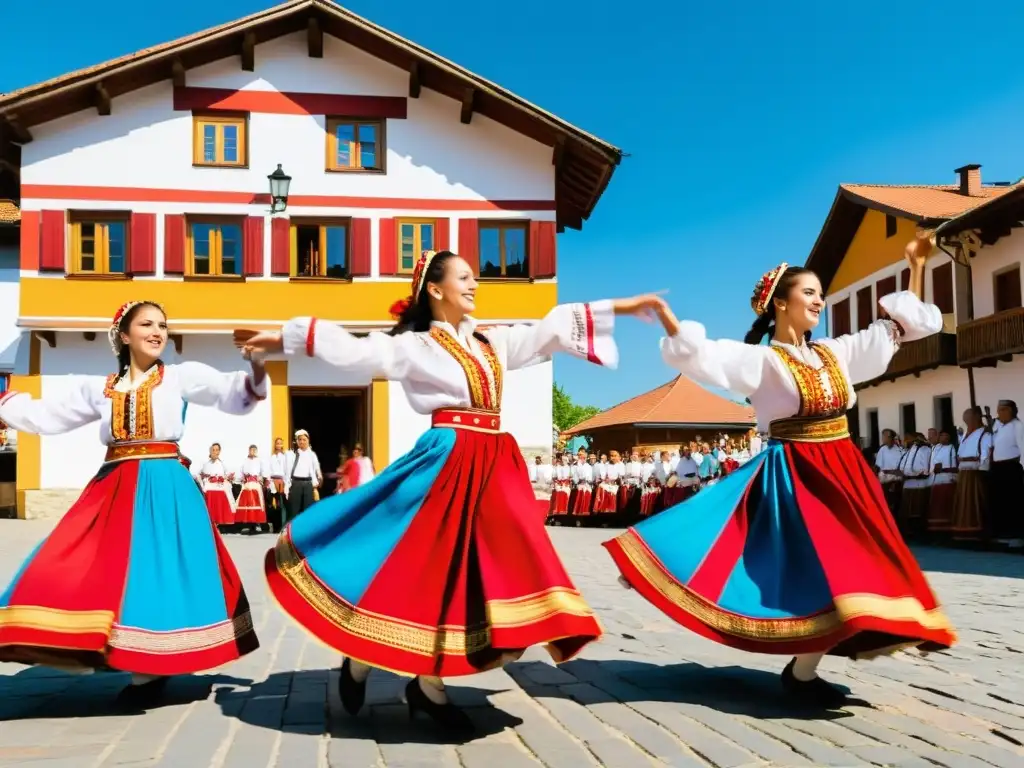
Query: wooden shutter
[[280, 246], [865, 307], [52, 251], [541, 250], [942, 288], [841, 318], [174, 244], [142, 245], [30, 224], [442, 236], [387, 244], [469, 242], [884, 287], [905, 280], [252, 247], [360, 266], [1007, 290]]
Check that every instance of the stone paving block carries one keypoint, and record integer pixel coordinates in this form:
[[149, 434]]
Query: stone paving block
[[809, 748], [886, 755], [542, 736], [743, 736], [300, 745], [705, 743], [198, 738], [495, 755], [412, 755], [251, 747]]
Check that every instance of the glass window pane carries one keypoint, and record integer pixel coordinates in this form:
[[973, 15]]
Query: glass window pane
[[515, 252], [337, 251], [230, 143], [408, 256], [116, 265], [88, 263], [209, 143], [407, 245], [490, 252], [345, 135], [201, 266], [116, 239], [231, 249], [201, 235], [88, 229], [426, 237], [368, 146]]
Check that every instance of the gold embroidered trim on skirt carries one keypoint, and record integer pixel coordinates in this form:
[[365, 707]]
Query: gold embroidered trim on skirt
[[141, 450], [810, 430], [846, 607], [55, 620], [180, 640], [473, 419], [422, 639]]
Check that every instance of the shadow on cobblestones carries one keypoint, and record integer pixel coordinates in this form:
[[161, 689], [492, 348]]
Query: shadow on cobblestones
[[941, 560]]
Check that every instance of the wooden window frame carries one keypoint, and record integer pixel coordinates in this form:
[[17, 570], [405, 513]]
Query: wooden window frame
[[102, 254], [995, 285], [417, 246], [240, 120], [835, 331], [502, 224], [892, 226], [331, 144], [293, 247], [216, 264], [870, 305]]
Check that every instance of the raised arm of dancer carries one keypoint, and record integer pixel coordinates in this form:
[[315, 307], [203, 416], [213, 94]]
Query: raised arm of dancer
[[236, 392], [79, 404], [376, 354]]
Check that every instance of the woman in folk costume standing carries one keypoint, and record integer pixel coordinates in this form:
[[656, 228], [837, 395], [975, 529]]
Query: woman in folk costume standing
[[134, 577], [438, 567], [561, 488], [973, 456], [942, 493], [794, 553], [582, 500], [220, 502], [356, 471], [250, 509]]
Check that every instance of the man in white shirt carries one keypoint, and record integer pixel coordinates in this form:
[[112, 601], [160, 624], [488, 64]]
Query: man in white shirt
[[545, 474], [1006, 476], [687, 472], [531, 468], [887, 462], [275, 470], [662, 468], [304, 476], [755, 444], [915, 467], [973, 458]]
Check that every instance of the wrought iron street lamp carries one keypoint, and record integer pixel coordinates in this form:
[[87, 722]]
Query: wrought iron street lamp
[[279, 184]]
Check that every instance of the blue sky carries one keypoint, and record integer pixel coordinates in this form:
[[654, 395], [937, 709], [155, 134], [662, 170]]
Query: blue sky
[[740, 120]]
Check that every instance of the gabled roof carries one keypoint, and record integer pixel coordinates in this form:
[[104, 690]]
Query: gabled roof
[[583, 162], [10, 213], [681, 402], [928, 204]]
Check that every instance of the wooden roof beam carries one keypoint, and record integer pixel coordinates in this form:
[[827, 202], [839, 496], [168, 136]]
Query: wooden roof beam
[[249, 51], [103, 100], [558, 153], [315, 38], [414, 80], [18, 132], [178, 73], [468, 97]]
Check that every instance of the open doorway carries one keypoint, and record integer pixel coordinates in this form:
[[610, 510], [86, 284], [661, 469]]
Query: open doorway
[[944, 420], [335, 419]]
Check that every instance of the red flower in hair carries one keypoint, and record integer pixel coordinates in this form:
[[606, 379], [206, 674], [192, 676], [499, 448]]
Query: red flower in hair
[[399, 307]]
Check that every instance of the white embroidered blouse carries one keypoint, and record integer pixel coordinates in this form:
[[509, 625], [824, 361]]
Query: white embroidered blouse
[[151, 408], [449, 367], [761, 374]]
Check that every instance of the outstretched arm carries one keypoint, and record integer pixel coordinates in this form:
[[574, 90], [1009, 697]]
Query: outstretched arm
[[236, 392], [53, 415]]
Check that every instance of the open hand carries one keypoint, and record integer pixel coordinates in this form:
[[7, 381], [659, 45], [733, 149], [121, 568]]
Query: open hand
[[260, 342]]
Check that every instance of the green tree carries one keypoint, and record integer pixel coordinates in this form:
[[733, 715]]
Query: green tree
[[565, 413]]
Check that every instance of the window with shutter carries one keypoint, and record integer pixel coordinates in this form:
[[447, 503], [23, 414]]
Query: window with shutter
[[1007, 290], [503, 249], [99, 244], [321, 248], [841, 318], [884, 287], [942, 288], [865, 308]]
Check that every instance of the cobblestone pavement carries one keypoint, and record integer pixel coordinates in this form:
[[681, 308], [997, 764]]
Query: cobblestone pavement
[[648, 694]]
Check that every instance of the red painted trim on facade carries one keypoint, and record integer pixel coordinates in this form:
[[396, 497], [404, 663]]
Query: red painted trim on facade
[[30, 234], [289, 103], [152, 195], [311, 338]]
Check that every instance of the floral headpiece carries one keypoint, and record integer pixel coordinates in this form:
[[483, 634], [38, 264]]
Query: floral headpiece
[[418, 274], [114, 333], [765, 288]]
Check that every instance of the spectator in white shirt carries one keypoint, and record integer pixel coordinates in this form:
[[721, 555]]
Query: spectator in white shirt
[[887, 462], [974, 455], [1006, 477], [304, 476]]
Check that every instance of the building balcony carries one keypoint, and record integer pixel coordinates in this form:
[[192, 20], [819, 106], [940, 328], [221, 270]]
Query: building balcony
[[992, 339], [913, 357]]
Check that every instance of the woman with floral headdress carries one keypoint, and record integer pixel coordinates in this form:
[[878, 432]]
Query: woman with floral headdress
[[795, 552], [135, 576], [438, 566]]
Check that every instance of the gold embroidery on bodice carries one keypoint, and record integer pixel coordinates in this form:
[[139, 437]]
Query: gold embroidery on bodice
[[131, 415], [484, 385], [823, 391]]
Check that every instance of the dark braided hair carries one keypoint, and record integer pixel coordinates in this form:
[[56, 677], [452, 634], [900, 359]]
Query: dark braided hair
[[124, 355], [765, 323]]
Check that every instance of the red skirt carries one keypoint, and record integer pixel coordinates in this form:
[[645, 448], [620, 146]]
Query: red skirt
[[218, 504], [626, 493], [649, 499], [437, 566], [250, 504], [605, 500], [560, 499], [581, 500]]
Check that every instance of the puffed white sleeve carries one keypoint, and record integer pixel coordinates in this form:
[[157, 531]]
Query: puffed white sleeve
[[724, 363], [985, 451], [234, 392], [77, 406], [868, 353], [581, 330], [376, 354]]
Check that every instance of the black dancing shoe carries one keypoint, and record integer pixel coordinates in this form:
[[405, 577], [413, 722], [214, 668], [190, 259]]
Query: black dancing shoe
[[352, 693], [451, 719], [816, 692], [142, 696]]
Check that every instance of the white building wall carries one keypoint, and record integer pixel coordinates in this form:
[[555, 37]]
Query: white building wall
[[990, 261], [10, 334], [887, 399], [1004, 382]]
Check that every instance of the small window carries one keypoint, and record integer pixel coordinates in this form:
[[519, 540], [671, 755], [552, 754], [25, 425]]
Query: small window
[[865, 308], [320, 249], [841, 318], [503, 249], [908, 418], [355, 145], [1007, 290], [98, 246], [219, 141], [890, 226], [215, 249], [414, 237], [942, 288]]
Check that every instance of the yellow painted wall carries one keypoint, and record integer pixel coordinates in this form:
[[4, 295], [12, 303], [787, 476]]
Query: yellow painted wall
[[29, 456], [871, 250], [380, 424], [280, 402], [265, 299]]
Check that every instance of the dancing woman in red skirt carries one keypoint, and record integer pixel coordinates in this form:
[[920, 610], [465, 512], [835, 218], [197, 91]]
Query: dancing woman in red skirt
[[438, 566], [795, 552]]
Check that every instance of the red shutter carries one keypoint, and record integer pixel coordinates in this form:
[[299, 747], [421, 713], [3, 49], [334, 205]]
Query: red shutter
[[174, 244], [541, 251], [360, 266], [51, 255], [388, 248], [142, 245], [29, 240], [280, 246], [442, 237], [841, 318], [469, 242], [905, 280], [252, 247]]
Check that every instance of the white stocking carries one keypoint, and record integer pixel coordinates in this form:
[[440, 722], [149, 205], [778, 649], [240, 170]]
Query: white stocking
[[806, 666], [359, 670], [433, 689], [139, 679]]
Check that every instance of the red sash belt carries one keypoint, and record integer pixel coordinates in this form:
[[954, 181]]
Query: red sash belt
[[142, 450], [216, 478], [467, 418], [251, 478]]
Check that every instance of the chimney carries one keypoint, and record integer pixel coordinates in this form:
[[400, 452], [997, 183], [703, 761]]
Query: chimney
[[970, 180]]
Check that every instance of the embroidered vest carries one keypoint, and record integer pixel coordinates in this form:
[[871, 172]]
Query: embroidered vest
[[485, 380], [824, 391], [131, 415]]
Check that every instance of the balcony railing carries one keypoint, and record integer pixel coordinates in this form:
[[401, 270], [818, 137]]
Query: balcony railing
[[917, 356], [989, 339]]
